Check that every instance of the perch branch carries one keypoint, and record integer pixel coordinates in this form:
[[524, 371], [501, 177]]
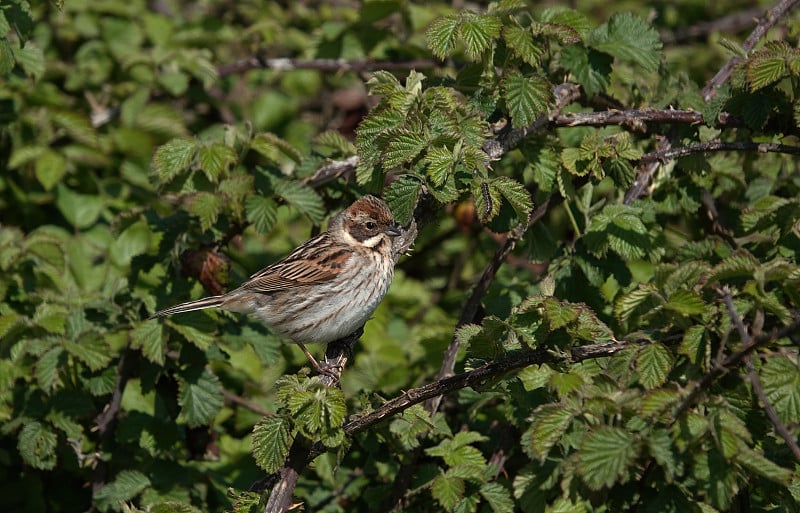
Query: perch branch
[[771, 17]]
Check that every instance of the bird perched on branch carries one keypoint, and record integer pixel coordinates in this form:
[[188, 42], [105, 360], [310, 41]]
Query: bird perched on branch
[[325, 289]]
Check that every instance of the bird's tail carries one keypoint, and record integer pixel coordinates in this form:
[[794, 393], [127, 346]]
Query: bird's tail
[[200, 304]]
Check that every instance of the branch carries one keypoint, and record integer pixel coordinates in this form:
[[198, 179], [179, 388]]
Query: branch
[[565, 94], [770, 18], [747, 339], [336, 65], [106, 421], [720, 368], [674, 153], [735, 22], [644, 176]]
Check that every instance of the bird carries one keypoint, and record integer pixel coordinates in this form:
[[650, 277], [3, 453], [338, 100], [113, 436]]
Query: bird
[[326, 288]]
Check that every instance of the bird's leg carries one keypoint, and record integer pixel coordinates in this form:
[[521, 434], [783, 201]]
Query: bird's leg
[[314, 363]]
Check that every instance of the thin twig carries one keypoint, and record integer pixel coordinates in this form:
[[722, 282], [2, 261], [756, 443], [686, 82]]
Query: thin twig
[[335, 65], [734, 22], [755, 382], [644, 176], [232, 398], [720, 368], [674, 153], [770, 18]]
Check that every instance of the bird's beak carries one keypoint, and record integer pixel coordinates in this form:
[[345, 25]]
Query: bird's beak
[[393, 230]]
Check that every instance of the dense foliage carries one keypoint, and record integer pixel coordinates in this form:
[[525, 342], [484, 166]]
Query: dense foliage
[[607, 257]]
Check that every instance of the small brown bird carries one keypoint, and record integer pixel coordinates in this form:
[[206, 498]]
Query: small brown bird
[[326, 288]]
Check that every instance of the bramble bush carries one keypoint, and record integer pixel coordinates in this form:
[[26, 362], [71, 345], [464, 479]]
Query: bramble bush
[[600, 313]]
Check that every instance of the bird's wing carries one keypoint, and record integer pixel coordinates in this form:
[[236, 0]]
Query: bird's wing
[[315, 261]]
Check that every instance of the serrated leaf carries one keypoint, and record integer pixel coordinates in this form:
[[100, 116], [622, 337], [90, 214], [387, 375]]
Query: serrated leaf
[[319, 413], [739, 265], [303, 198], [37, 446], [628, 37], [125, 486], [441, 36], [657, 402], [30, 58], [447, 491], [686, 302], [91, 349], [780, 378], [659, 444], [565, 34], [498, 497], [206, 206], [548, 425], [604, 457], [403, 147], [148, 337], [440, 162], [272, 437], [591, 69], [526, 97], [516, 195], [401, 196], [47, 368], [478, 32], [521, 42], [50, 168], [214, 159], [762, 466], [174, 158], [262, 212], [272, 147], [653, 364], [692, 344], [199, 395]]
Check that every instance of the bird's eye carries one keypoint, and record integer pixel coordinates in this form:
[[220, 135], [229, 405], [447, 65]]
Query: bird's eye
[[371, 225]]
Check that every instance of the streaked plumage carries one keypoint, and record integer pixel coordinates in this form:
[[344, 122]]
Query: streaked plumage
[[326, 288]]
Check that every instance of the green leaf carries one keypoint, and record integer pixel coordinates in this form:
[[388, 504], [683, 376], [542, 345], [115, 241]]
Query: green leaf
[[686, 302], [762, 466], [272, 437], [319, 412], [47, 368], [262, 212], [80, 210], [441, 35], [527, 97], [174, 158], [403, 147], [125, 486], [91, 349], [692, 344], [440, 164], [516, 195], [50, 169], [303, 198], [37, 446], [653, 363], [604, 457], [272, 147], [498, 497], [206, 206], [478, 32], [30, 58], [447, 491], [780, 378], [548, 425], [628, 37], [591, 69], [520, 40], [148, 337], [133, 241], [214, 159], [199, 395], [401, 196]]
